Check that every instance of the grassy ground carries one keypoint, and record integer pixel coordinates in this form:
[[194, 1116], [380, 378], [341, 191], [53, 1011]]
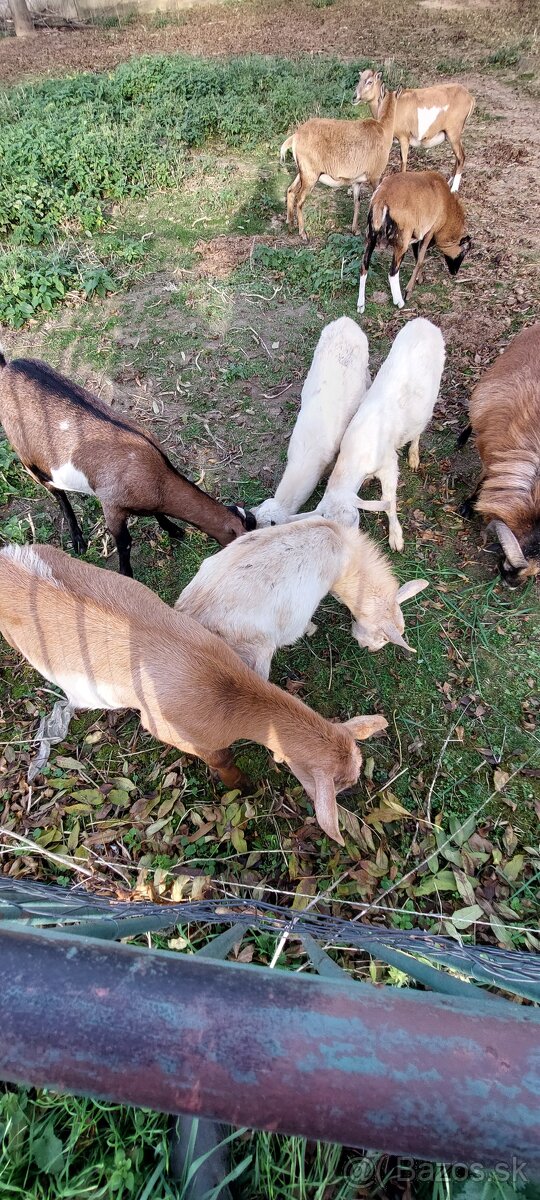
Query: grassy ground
[[205, 331]]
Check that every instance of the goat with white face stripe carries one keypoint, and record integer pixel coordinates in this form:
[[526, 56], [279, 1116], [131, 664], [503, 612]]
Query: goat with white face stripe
[[424, 116]]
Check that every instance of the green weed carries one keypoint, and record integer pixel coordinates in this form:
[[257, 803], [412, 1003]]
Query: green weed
[[71, 147]]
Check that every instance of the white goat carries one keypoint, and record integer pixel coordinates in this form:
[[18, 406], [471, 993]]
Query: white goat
[[396, 410], [334, 388], [261, 593]]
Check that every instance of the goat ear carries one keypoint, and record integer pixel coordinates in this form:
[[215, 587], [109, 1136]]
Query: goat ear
[[395, 636], [382, 92], [509, 544], [410, 589], [365, 727], [325, 805], [378, 75], [399, 90]]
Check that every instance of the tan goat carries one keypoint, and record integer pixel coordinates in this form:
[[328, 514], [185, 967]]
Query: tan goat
[[414, 209], [338, 154], [109, 642], [424, 116], [505, 419]]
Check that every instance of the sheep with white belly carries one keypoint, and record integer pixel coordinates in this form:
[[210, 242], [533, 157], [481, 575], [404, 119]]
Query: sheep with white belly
[[334, 388], [396, 410], [261, 592]]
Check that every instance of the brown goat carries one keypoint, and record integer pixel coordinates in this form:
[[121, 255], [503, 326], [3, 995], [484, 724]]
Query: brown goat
[[414, 209], [70, 441], [338, 154], [109, 642], [505, 419], [424, 116]]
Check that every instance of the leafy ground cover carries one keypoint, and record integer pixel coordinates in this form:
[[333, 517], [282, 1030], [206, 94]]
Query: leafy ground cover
[[202, 323]]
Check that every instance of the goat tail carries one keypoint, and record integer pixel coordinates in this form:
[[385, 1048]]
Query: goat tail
[[287, 145], [380, 224], [3, 359]]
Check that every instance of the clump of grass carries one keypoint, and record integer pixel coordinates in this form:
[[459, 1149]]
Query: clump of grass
[[70, 147], [451, 66], [55, 1146], [505, 56]]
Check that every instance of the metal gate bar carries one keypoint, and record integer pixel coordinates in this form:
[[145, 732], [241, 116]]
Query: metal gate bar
[[411, 1073]]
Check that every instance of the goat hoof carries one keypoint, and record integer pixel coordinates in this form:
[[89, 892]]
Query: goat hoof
[[360, 308], [466, 510], [80, 546], [401, 304]]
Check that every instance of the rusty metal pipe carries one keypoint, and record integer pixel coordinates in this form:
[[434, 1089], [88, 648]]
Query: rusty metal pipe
[[410, 1073]]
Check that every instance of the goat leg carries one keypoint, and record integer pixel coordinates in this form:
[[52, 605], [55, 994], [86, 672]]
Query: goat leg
[[174, 531], [222, 762], [467, 509], [116, 520], [420, 256], [76, 533]]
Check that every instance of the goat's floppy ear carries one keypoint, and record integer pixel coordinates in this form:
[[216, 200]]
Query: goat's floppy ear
[[394, 636], [410, 589], [364, 727], [325, 805]]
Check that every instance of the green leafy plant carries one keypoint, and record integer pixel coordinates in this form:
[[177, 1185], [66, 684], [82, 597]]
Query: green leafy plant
[[70, 147]]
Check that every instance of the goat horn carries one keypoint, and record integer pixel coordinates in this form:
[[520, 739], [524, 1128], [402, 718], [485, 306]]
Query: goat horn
[[395, 637], [510, 544]]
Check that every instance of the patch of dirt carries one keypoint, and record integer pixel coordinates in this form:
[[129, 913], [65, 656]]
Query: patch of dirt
[[346, 29], [453, 4], [220, 256]]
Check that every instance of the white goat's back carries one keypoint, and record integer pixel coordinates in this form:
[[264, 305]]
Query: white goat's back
[[334, 388], [267, 584], [398, 406], [409, 379]]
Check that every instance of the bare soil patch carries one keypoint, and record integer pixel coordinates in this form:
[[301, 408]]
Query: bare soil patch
[[346, 29]]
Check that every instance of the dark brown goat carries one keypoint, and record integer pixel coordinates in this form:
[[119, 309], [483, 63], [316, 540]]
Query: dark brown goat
[[505, 418], [70, 441]]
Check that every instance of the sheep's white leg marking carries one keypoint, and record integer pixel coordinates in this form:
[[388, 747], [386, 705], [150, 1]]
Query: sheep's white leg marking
[[426, 117], [396, 290], [362, 294], [456, 182], [69, 479]]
